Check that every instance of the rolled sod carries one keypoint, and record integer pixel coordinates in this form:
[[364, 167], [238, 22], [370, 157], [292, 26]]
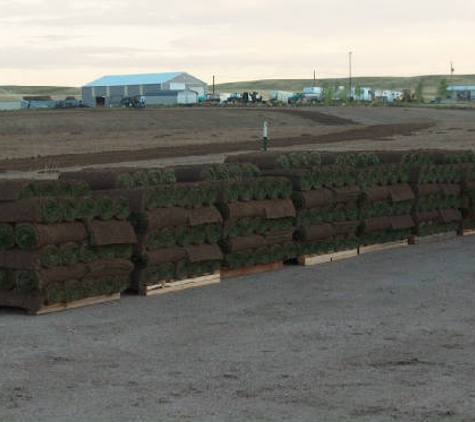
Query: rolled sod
[[315, 232], [204, 252], [402, 222], [110, 232], [242, 209], [279, 208], [312, 198], [162, 256], [40, 210], [32, 236], [203, 215], [158, 218], [87, 208], [104, 267], [376, 224], [99, 179], [69, 253], [241, 243], [48, 256]]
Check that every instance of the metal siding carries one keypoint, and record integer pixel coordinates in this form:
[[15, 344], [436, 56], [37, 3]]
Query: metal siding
[[87, 97], [117, 90], [170, 99], [133, 90]]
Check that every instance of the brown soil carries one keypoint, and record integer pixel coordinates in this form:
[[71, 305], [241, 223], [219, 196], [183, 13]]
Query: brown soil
[[38, 140]]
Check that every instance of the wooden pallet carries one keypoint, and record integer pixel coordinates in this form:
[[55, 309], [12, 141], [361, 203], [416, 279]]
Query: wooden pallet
[[415, 240], [382, 246], [252, 269], [327, 257], [87, 301], [173, 286]]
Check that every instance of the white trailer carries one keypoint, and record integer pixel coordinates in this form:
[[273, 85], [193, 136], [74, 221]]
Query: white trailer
[[280, 96]]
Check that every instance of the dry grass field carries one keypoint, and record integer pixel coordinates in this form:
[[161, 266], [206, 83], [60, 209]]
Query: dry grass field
[[33, 140]]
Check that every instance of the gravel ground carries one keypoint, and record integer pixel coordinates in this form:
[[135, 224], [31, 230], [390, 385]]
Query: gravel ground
[[388, 335]]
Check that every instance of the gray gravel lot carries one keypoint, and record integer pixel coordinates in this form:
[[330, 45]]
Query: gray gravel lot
[[388, 335]]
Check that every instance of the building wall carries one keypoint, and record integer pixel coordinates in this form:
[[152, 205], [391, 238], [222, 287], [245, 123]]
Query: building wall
[[114, 94]]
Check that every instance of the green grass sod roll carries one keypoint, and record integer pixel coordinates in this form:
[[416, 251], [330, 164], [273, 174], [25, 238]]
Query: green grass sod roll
[[105, 207], [312, 198], [54, 293], [31, 236], [121, 207], [162, 238], [50, 256], [181, 269], [26, 281], [100, 179], [159, 218], [69, 209], [213, 232], [7, 236], [41, 210], [162, 256], [113, 232], [69, 253], [183, 235], [314, 232], [241, 243], [87, 208], [88, 252], [140, 178]]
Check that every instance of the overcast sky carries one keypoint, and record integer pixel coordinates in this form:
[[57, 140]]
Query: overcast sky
[[72, 42]]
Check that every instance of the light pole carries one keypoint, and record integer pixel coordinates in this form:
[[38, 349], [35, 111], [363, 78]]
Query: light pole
[[349, 59]]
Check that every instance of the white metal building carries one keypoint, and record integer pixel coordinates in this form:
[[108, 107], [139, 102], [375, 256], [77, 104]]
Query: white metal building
[[111, 89], [462, 93]]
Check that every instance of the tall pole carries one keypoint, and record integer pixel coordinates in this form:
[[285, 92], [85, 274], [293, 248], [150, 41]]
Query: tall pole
[[349, 59], [314, 76], [213, 84]]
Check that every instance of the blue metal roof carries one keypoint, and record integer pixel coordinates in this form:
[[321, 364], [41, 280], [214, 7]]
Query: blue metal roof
[[461, 88], [140, 79]]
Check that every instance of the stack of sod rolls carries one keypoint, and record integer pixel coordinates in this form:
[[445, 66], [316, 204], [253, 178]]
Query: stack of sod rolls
[[178, 229], [49, 242], [258, 224], [437, 185], [386, 201], [468, 198], [326, 200], [324, 196], [257, 213], [176, 224]]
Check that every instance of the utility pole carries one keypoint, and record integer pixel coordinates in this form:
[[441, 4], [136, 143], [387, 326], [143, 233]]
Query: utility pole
[[349, 59], [314, 77], [213, 84]]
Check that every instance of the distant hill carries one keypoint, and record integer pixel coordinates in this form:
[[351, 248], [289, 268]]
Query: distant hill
[[430, 83], [15, 92]]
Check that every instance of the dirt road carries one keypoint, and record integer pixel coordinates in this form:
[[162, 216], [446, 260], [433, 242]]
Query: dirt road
[[387, 335]]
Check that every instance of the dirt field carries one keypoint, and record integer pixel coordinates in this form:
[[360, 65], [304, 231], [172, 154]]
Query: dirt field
[[387, 335], [39, 140]]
